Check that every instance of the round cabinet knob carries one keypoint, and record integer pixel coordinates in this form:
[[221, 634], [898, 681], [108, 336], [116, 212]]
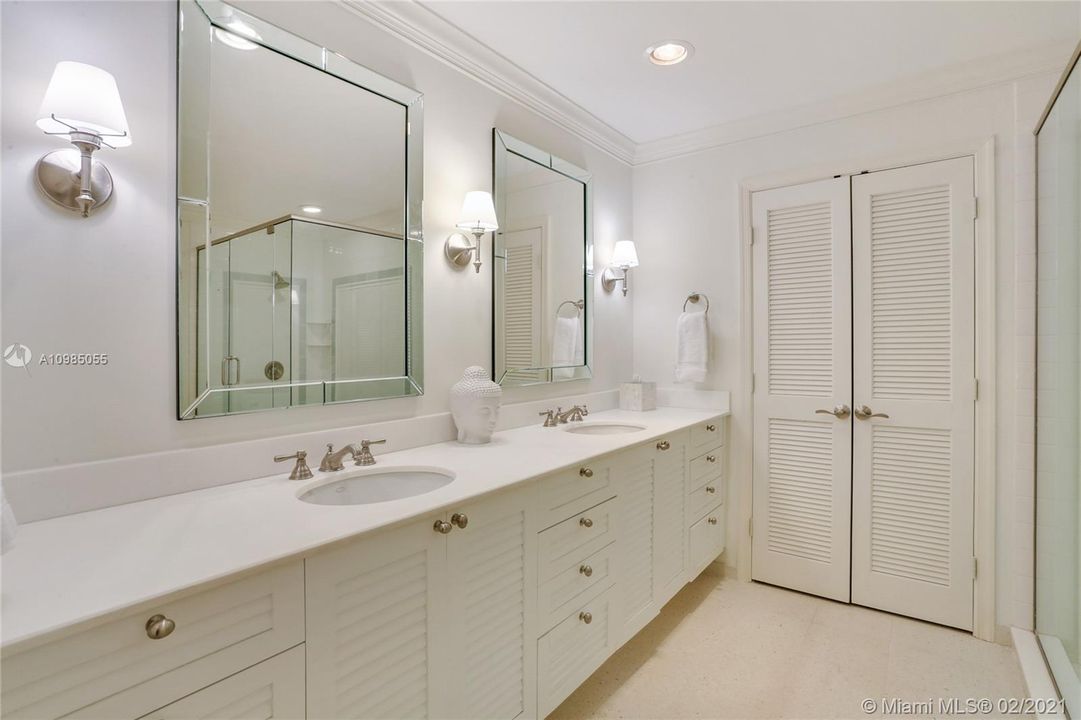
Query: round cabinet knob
[[712, 521], [586, 570], [586, 617], [585, 522], [442, 527], [459, 519], [585, 472], [159, 626], [663, 445], [711, 458], [710, 489], [711, 428]]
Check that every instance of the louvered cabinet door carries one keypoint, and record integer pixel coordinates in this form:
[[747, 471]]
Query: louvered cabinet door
[[491, 592], [632, 472], [802, 365], [373, 626], [914, 338], [669, 527]]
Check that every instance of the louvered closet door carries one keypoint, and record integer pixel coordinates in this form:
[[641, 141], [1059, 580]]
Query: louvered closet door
[[802, 364], [914, 335]]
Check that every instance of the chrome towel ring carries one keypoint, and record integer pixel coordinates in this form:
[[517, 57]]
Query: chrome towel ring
[[695, 298]]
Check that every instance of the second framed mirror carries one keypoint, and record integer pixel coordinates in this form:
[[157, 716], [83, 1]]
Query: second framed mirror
[[542, 290]]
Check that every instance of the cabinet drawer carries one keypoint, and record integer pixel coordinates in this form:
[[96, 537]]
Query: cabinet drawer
[[563, 592], [705, 497], [217, 633], [705, 469], [570, 492], [707, 539], [572, 650], [707, 435], [574, 539], [272, 689]]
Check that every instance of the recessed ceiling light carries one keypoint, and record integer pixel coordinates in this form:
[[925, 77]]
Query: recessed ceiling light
[[311, 209], [669, 52]]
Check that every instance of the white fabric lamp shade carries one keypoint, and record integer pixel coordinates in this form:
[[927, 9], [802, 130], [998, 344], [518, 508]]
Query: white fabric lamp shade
[[85, 97], [478, 212], [624, 255]]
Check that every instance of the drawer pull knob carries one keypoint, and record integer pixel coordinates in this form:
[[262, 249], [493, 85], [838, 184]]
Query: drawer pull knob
[[585, 522], [711, 458], [586, 617], [442, 527], [663, 445], [459, 519], [710, 489], [586, 570], [159, 626], [711, 428], [712, 521], [585, 472]]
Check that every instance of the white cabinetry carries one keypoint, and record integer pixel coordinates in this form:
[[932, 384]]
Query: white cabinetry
[[415, 623], [707, 491], [272, 689]]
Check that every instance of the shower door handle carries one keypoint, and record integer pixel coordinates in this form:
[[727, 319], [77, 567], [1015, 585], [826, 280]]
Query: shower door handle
[[226, 376], [841, 412]]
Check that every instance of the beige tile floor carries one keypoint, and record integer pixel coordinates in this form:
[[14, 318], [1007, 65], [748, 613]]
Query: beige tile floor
[[729, 649]]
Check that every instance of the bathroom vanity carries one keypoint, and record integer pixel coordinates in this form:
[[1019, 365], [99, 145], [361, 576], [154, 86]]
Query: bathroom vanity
[[494, 596]]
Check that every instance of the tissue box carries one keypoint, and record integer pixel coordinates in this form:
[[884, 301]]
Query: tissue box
[[638, 396]]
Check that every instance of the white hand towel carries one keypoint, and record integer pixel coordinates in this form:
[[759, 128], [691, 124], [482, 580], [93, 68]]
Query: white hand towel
[[8, 526], [692, 350], [565, 341]]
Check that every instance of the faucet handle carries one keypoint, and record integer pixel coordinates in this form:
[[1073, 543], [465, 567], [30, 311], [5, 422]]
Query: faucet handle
[[301, 471], [549, 418], [585, 409], [365, 457]]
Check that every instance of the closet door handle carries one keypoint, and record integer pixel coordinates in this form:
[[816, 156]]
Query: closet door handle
[[865, 413], [841, 412]]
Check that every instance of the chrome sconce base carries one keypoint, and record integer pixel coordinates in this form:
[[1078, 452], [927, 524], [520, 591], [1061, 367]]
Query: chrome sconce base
[[459, 249], [609, 279], [60, 177]]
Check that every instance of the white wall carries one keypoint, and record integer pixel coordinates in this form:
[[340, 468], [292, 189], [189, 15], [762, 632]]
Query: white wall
[[686, 222], [106, 284]]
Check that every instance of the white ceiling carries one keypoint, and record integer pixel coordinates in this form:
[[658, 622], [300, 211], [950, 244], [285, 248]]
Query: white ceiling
[[751, 58]]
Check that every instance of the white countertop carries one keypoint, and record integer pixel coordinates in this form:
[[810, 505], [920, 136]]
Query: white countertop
[[72, 569]]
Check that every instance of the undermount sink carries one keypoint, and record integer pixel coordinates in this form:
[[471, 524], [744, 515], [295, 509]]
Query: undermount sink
[[603, 428], [376, 486]]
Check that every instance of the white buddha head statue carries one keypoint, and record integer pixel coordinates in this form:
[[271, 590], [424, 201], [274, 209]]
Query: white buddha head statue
[[474, 403]]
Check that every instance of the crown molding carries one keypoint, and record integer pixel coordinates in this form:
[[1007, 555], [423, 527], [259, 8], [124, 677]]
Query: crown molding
[[961, 78], [414, 23], [424, 29]]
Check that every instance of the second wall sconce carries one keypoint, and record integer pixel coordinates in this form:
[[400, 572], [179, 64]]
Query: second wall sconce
[[624, 257], [477, 217], [82, 105]]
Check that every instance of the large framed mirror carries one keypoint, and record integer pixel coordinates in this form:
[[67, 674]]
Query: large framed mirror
[[299, 242], [542, 306]]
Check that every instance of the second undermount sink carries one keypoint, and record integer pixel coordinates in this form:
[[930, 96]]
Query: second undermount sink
[[603, 428], [376, 486]]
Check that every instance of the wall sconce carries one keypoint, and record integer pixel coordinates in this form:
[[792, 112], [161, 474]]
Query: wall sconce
[[83, 105], [624, 257], [477, 217]]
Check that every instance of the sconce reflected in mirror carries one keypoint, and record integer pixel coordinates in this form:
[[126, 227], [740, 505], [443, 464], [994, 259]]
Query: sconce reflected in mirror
[[477, 217], [82, 105], [624, 257]]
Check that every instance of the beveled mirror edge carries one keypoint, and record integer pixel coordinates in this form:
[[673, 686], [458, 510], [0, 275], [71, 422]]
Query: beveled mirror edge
[[333, 63], [502, 143]]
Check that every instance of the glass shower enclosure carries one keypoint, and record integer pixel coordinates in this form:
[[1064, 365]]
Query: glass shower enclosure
[[1058, 389]]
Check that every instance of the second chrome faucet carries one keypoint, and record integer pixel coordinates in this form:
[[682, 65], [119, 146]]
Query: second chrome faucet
[[362, 455]]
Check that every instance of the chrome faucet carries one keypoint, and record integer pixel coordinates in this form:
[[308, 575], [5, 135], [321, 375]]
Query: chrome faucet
[[549, 418], [575, 414], [332, 461]]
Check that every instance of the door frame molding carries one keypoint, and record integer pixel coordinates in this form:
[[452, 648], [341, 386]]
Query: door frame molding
[[982, 150]]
